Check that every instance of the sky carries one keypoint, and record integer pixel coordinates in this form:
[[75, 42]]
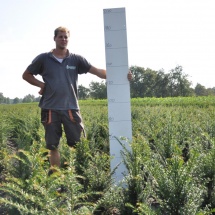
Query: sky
[[161, 34]]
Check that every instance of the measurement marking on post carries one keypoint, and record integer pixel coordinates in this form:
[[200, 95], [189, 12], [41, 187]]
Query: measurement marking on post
[[118, 87]]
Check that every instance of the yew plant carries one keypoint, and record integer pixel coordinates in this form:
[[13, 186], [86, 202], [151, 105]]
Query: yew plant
[[170, 162]]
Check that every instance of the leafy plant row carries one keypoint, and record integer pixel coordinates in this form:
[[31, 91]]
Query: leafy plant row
[[170, 169]]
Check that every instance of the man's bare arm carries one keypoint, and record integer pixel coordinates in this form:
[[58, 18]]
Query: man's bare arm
[[101, 73], [29, 77]]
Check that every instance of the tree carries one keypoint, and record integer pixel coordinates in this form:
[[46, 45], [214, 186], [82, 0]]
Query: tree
[[210, 91], [1, 98], [83, 92], [200, 90], [161, 87], [137, 84], [178, 82], [16, 100], [98, 90], [150, 83], [7, 100], [37, 99], [29, 98]]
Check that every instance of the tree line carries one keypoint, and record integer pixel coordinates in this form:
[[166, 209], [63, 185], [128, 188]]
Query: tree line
[[145, 83], [151, 83], [27, 99]]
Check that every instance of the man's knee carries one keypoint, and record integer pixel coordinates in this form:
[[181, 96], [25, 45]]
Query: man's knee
[[52, 146], [72, 143]]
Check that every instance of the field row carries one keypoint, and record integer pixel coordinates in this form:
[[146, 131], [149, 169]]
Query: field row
[[170, 169]]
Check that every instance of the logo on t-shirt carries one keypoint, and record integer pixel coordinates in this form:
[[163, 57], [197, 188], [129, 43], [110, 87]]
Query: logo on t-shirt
[[70, 67]]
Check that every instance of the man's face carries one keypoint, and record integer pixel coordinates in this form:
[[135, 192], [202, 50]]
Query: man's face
[[61, 40]]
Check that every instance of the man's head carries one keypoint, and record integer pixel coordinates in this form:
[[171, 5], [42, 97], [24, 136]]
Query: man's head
[[61, 29], [61, 37]]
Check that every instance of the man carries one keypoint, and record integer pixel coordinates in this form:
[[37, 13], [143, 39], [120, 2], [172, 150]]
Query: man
[[59, 104]]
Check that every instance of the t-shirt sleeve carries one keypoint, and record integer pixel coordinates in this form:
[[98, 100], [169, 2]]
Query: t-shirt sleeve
[[36, 67], [83, 65]]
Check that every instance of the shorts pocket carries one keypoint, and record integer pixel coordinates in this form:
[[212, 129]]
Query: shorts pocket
[[75, 116], [46, 117]]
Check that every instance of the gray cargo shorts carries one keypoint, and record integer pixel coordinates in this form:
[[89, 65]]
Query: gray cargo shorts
[[54, 121]]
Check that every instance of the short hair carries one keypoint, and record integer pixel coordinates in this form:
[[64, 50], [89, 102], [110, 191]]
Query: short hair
[[61, 29]]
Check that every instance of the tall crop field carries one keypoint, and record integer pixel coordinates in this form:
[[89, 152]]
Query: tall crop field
[[170, 168]]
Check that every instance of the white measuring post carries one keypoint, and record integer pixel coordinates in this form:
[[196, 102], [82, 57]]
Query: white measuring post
[[118, 86]]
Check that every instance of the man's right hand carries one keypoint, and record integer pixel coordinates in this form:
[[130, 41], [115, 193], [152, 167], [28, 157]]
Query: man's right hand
[[29, 77], [42, 89]]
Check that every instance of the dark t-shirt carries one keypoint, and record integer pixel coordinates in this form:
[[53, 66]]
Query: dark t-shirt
[[61, 79]]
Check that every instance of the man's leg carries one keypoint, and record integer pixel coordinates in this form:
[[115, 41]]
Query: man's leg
[[73, 126], [54, 158], [53, 132]]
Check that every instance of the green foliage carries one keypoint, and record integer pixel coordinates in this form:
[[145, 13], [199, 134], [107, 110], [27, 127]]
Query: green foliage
[[83, 92], [137, 161], [178, 192], [170, 162], [150, 83], [201, 102], [36, 193], [98, 90], [207, 171]]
